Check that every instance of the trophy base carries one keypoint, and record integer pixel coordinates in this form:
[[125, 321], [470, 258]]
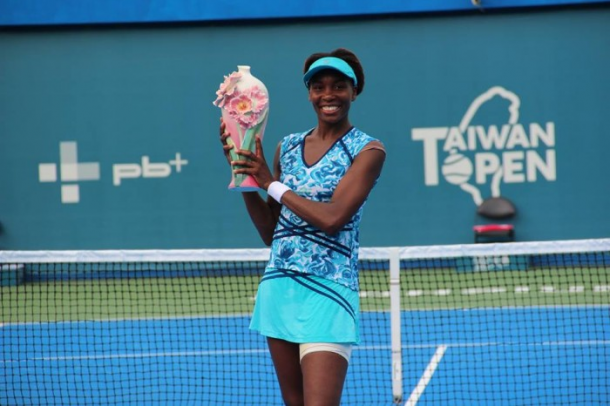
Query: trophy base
[[245, 189], [248, 185]]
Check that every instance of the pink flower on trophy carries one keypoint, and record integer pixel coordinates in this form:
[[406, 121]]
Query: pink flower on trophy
[[240, 108], [246, 107], [227, 88], [240, 104], [259, 99]]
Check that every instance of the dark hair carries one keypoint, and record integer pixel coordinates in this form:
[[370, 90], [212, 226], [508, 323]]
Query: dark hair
[[341, 53]]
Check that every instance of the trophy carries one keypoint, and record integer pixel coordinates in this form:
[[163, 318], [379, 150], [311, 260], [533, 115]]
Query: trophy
[[244, 102]]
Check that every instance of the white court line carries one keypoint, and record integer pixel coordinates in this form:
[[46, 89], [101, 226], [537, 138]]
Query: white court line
[[583, 343], [440, 349], [140, 355], [425, 379], [164, 354]]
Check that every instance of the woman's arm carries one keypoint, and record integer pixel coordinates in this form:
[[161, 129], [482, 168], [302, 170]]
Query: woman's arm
[[350, 194]]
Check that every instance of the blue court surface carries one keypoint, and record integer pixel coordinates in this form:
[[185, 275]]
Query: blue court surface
[[494, 356]]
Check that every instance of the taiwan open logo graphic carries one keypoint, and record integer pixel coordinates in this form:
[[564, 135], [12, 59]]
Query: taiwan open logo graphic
[[71, 171], [478, 158]]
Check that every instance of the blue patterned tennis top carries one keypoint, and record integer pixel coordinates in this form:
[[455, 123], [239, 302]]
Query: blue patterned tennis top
[[301, 247]]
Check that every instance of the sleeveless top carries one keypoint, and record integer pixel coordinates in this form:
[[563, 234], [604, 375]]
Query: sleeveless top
[[301, 247]]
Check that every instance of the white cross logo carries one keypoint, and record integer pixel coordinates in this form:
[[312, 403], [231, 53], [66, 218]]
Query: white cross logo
[[70, 171]]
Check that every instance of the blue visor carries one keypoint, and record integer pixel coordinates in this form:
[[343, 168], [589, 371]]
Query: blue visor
[[330, 62]]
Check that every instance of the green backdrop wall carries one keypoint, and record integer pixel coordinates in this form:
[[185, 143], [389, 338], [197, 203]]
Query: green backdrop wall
[[454, 98]]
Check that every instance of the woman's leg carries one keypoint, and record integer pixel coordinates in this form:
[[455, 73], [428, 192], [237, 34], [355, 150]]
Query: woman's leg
[[285, 356], [323, 378]]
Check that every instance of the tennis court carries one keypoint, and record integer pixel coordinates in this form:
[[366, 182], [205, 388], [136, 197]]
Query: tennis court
[[540, 336], [114, 358]]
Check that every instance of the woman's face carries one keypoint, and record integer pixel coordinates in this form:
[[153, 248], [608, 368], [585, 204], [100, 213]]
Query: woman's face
[[331, 93]]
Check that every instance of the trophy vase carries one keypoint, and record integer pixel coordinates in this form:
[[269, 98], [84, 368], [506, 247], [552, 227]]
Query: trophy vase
[[245, 116]]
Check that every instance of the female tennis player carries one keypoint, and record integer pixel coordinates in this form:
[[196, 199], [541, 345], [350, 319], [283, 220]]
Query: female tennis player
[[307, 303]]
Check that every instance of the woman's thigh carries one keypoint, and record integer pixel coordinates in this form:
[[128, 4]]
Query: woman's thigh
[[323, 378], [285, 356]]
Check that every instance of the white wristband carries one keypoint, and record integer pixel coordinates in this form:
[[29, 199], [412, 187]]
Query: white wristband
[[276, 190]]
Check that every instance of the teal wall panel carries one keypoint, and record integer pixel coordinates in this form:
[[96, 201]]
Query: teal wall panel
[[124, 93]]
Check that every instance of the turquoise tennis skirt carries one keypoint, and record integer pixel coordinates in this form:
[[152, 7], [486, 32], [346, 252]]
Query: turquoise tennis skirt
[[303, 308]]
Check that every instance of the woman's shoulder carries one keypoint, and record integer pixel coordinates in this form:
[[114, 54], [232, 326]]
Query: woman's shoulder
[[296, 136], [358, 140], [358, 134]]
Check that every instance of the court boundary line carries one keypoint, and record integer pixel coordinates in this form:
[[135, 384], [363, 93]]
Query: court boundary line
[[427, 375], [436, 358]]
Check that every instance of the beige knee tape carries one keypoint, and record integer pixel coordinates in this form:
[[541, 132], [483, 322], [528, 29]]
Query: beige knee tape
[[345, 350]]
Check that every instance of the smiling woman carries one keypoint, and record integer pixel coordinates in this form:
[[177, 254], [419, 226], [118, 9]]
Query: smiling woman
[[307, 304]]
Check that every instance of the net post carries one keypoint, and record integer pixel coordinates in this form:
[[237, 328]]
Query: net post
[[394, 255]]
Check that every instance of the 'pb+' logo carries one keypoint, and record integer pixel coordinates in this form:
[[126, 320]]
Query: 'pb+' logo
[[474, 155], [71, 171]]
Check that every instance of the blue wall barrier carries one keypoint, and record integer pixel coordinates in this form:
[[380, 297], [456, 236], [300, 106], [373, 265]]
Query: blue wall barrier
[[468, 106]]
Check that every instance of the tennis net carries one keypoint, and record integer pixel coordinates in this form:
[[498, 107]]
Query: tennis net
[[502, 324]]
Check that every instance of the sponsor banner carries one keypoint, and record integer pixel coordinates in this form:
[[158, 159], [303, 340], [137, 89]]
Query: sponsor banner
[[72, 172]]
